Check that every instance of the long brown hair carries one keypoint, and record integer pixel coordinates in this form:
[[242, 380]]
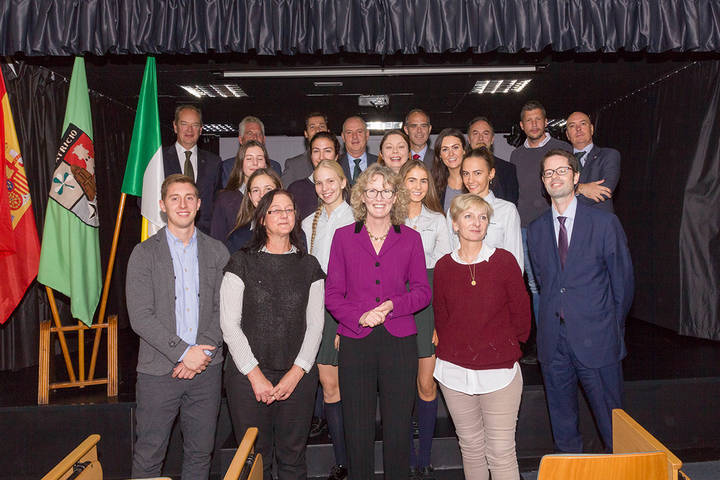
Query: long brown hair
[[237, 175], [245, 213], [440, 171], [431, 200]]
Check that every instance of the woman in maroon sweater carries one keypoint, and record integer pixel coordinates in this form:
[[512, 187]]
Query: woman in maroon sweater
[[482, 313]]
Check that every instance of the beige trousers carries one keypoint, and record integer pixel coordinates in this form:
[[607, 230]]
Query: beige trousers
[[485, 426]]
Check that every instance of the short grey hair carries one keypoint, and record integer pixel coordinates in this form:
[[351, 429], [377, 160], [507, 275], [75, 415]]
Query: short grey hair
[[250, 119]]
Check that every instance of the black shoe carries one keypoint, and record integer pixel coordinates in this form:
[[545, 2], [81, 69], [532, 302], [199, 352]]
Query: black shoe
[[414, 473], [338, 472], [426, 473], [318, 426]]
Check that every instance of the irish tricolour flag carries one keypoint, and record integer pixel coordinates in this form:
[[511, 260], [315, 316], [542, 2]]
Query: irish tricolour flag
[[144, 172]]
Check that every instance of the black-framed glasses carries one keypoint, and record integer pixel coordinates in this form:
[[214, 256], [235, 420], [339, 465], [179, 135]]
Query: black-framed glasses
[[280, 211], [560, 171], [386, 194]]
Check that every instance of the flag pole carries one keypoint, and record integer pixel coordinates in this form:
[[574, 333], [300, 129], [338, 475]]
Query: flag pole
[[106, 287]]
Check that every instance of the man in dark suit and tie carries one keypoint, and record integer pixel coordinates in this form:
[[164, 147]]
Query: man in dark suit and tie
[[250, 128], [300, 166], [185, 157], [583, 269], [173, 291], [356, 158], [599, 167], [481, 133], [417, 127]]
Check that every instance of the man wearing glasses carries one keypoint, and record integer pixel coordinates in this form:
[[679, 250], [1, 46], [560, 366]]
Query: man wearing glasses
[[185, 157], [583, 268], [417, 126]]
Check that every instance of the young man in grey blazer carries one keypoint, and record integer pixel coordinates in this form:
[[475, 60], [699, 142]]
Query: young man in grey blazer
[[173, 288]]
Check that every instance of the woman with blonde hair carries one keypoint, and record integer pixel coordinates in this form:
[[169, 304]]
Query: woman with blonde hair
[[262, 181], [426, 217], [376, 281], [482, 314], [332, 213]]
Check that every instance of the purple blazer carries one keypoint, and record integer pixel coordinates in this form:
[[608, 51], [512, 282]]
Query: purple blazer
[[358, 279]]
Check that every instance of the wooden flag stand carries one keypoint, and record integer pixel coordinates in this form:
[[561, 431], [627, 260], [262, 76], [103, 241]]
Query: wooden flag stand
[[81, 381]]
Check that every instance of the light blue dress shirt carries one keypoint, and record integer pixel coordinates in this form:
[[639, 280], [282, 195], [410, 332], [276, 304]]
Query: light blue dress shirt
[[187, 287], [363, 163], [570, 214], [587, 149]]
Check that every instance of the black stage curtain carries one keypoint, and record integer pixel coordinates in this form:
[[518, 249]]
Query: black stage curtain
[[668, 135], [38, 98], [70, 27]]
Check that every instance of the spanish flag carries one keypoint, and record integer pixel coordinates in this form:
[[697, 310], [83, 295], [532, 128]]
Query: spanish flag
[[19, 244]]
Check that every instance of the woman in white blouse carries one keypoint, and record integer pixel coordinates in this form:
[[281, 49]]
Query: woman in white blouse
[[332, 213], [425, 215], [477, 171]]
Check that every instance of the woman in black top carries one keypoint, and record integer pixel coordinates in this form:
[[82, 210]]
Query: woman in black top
[[272, 315]]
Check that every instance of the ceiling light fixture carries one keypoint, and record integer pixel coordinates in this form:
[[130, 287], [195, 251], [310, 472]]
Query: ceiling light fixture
[[499, 86], [223, 90], [375, 125], [218, 128], [379, 72], [328, 84]]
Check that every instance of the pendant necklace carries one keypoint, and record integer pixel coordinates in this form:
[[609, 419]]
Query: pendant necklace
[[472, 274], [374, 238]]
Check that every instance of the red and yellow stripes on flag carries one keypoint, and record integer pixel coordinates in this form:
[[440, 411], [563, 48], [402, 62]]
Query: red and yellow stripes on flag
[[20, 251]]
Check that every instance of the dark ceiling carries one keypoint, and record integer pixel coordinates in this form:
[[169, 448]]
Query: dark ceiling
[[568, 82]]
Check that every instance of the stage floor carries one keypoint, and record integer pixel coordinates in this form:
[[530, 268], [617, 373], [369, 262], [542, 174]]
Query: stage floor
[[654, 353]]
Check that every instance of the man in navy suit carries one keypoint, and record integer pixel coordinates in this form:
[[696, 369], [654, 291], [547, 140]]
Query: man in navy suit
[[356, 158], [417, 126], [481, 133], [599, 167], [250, 128], [185, 157], [582, 265]]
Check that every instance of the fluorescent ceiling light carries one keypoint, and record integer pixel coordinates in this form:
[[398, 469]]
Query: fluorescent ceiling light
[[499, 86], [378, 72], [224, 90], [219, 128], [328, 84], [383, 125]]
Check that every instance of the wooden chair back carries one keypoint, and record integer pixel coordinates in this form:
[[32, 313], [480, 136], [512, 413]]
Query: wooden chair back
[[82, 462], [631, 466], [245, 465], [629, 437]]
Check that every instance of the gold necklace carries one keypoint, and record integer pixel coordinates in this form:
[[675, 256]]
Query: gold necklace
[[374, 238], [472, 274]]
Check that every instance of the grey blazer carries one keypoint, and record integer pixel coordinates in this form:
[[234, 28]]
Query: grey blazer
[[297, 168], [150, 289]]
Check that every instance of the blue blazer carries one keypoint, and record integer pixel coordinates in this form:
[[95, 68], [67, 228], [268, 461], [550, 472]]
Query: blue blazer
[[601, 163], [594, 291], [207, 175]]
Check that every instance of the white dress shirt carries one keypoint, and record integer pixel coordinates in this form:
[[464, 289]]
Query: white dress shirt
[[570, 214], [193, 158], [325, 231], [435, 235]]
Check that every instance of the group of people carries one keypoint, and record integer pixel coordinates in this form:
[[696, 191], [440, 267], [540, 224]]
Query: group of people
[[379, 277]]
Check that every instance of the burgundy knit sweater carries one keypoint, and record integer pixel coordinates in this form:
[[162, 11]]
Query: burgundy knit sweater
[[479, 327]]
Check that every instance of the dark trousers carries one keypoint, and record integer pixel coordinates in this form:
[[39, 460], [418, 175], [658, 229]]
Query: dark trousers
[[386, 364], [603, 388], [283, 425], [159, 399]]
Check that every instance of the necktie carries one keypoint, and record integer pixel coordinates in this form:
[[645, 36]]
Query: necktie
[[562, 241], [416, 156], [356, 170], [188, 171], [579, 156]]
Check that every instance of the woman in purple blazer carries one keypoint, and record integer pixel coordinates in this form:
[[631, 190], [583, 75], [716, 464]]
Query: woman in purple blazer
[[376, 281]]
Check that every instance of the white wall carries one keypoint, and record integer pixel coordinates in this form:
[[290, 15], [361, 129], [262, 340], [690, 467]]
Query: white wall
[[283, 147]]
